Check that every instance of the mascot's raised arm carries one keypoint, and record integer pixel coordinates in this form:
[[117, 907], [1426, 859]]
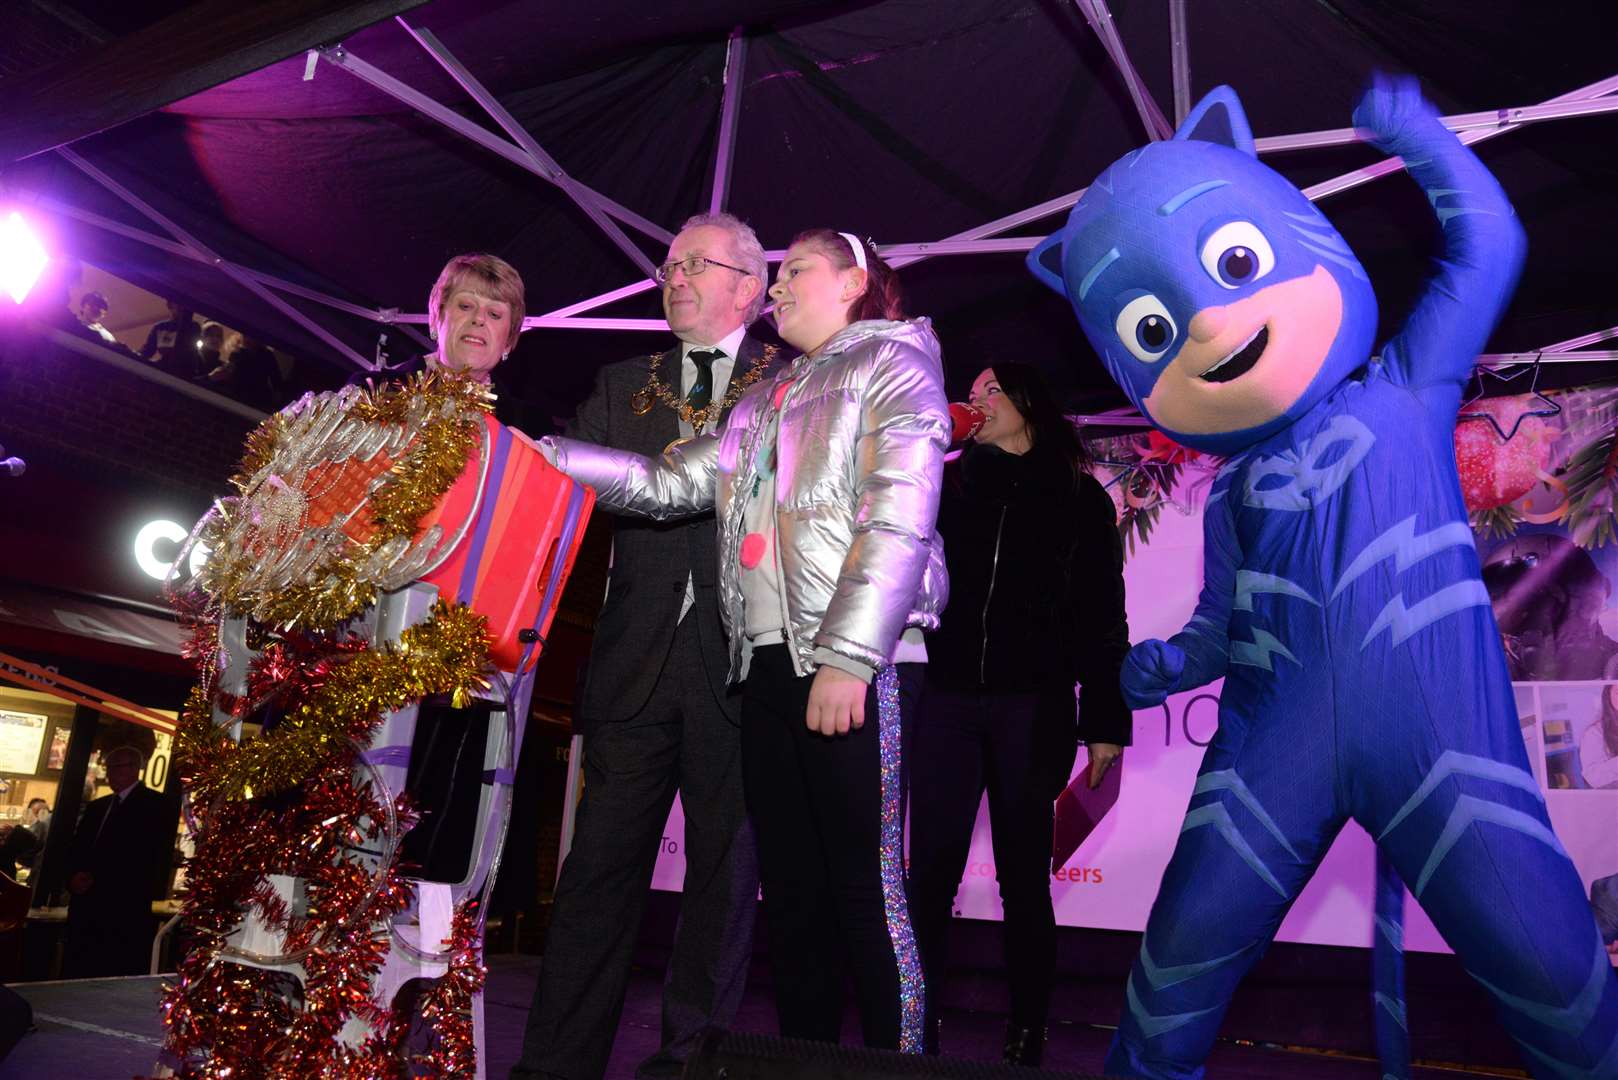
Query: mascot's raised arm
[[1342, 601]]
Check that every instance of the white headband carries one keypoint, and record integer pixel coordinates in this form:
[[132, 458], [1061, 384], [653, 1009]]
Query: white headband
[[859, 248]]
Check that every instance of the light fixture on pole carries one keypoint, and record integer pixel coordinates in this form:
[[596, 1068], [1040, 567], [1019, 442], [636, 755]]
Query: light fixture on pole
[[22, 257]]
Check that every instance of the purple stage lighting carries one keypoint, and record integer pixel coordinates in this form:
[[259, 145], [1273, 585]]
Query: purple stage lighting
[[22, 257]]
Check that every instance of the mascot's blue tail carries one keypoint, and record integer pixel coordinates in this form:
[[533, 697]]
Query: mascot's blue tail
[[1388, 972]]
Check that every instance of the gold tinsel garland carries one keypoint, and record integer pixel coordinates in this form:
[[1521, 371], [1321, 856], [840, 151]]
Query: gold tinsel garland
[[447, 654], [446, 407], [434, 460]]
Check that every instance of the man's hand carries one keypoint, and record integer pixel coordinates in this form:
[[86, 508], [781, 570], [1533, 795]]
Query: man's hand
[[836, 702], [80, 883], [1103, 756]]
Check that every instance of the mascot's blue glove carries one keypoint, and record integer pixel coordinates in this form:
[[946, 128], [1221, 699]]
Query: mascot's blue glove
[[1393, 116], [1151, 673]]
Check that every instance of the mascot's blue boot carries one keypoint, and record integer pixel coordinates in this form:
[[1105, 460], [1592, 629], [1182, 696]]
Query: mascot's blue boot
[[1342, 601]]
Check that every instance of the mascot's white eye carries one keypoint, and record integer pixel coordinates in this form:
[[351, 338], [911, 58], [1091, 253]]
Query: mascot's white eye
[[1237, 254], [1145, 328]]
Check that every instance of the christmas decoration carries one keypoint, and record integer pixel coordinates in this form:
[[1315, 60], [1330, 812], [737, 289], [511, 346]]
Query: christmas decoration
[[1496, 469], [227, 1019], [1545, 406], [332, 490], [330, 702], [1148, 468], [1591, 479]]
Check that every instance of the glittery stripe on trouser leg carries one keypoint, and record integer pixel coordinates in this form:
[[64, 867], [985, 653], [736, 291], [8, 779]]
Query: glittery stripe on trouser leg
[[912, 995]]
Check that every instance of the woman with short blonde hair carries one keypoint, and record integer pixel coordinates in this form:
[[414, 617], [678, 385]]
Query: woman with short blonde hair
[[475, 311]]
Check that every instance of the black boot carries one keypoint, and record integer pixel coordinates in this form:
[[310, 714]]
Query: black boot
[[1024, 1045]]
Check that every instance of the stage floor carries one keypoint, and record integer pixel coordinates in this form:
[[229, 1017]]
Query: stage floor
[[108, 1029]]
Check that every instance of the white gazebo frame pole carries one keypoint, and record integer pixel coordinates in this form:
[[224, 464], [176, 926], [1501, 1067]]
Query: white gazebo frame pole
[[982, 239], [1474, 135], [208, 255], [1584, 339], [634, 288], [339, 56], [1462, 123], [1590, 356], [586, 199], [49, 205], [730, 108], [1096, 13], [1180, 59]]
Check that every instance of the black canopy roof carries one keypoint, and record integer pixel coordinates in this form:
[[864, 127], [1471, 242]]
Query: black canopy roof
[[907, 120]]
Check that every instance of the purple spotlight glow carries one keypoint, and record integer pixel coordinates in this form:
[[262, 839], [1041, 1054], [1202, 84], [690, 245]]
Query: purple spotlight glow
[[22, 257]]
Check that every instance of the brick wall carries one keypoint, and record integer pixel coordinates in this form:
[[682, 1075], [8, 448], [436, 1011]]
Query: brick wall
[[55, 400]]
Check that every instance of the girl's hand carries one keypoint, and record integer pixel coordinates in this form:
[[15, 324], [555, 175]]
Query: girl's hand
[[836, 702]]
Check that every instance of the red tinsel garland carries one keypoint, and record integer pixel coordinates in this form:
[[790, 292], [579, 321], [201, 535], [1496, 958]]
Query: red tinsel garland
[[231, 1020]]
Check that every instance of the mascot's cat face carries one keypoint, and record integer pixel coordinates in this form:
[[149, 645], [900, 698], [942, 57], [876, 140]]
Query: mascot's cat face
[[1218, 297]]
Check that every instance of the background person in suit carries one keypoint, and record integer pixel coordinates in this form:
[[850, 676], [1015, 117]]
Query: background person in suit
[[656, 713], [117, 865]]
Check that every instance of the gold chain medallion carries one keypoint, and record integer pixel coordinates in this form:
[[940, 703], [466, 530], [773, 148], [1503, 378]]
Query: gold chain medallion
[[657, 390]]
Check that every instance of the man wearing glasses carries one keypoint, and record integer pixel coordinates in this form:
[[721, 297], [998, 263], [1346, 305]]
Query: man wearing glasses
[[656, 714]]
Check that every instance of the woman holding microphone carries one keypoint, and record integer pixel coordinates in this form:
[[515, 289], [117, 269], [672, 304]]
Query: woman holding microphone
[[1036, 604]]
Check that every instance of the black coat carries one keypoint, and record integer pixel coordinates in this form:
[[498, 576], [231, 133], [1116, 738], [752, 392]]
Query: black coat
[[509, 407], [1036, 587]]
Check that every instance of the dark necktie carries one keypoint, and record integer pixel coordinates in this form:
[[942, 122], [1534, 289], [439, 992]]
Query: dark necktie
[[702, 386]]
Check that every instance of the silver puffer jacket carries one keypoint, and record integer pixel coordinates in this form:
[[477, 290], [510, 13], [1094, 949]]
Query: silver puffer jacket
[[860, 460]]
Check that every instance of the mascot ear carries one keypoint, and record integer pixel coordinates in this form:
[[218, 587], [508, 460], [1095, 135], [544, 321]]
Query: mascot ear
[[1045, 262], [1218, 118]]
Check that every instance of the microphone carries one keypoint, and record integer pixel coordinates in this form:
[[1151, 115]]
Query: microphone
[[965, 420]]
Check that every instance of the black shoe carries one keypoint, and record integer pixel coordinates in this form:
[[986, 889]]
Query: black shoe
[[1024, 1045]]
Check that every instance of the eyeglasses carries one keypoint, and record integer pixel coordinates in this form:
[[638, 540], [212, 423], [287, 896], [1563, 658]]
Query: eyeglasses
[[693, 266]]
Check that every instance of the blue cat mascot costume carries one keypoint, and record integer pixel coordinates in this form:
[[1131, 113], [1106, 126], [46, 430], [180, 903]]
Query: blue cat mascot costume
[[1341, 602]]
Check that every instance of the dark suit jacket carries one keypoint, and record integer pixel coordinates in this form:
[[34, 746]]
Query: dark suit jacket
[[128, 858], [650, 561], [510, 408]]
